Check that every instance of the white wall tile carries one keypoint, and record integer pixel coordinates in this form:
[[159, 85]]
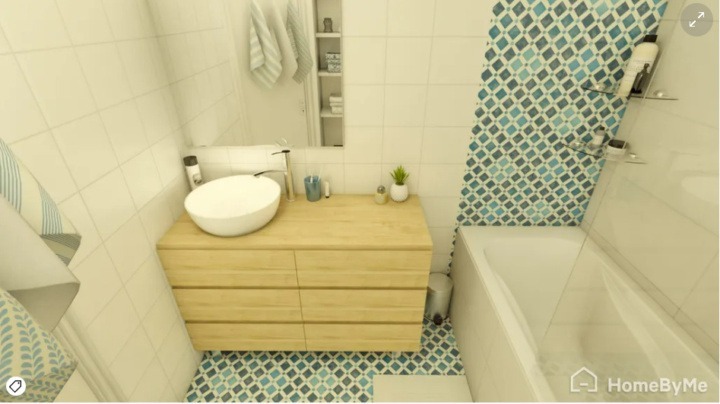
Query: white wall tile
[[440, 211], [405, 105], [445, 145], [442, 238], [19, 113], [316, 155], [113, 327], [364, 17], [364, 105], [463, 17], [152, 384], [146, 285], [132, 361], [441, 180], [156, 218], [142, 178], [362, 178], [41, 156], [160, 318], [363, 145], [96, 270], [85, 21], [75, 210], [128, 248], [109, 202], [153, 108], [21, 21], [86, 149], [105, 73], [172, 347], [451, 106], [125, 130], [58, 83], [410, 17], [168, 160], [402, 145], [364, 60], [139, 62], [125, 19], [457, 60], [184, 372], [4, 45], [408, 60]]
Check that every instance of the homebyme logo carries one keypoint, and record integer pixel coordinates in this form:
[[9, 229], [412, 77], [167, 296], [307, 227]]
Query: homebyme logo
[[585, 380]]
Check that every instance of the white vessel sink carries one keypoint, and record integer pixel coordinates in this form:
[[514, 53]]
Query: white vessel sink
[[233, 206]]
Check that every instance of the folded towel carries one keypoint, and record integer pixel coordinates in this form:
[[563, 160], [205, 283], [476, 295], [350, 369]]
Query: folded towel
[[334, 97], [336, 110], [265, 55], [299, 42]]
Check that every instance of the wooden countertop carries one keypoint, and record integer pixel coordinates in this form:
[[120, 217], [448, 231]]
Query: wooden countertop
[[342, 222]]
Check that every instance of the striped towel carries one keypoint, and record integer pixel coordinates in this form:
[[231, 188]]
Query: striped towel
[[299, 42], [31, 200], [265, 57]]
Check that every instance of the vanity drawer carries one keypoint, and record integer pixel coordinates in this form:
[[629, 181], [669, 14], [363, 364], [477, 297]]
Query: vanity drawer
[[229, 268], [247, 337], [363, 337], [239, 305], [362, 306], [363, 269]]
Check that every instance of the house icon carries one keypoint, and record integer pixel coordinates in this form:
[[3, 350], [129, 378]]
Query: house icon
[[583, 380]]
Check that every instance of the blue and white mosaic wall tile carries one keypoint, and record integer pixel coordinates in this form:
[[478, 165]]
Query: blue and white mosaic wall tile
[[540, 54]]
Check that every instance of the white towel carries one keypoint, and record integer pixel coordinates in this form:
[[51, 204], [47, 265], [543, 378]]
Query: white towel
[[334, 97], [299, 42], [265, 57]]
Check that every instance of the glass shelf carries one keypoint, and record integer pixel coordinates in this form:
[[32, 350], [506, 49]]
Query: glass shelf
[[657, 95], [601, 153]]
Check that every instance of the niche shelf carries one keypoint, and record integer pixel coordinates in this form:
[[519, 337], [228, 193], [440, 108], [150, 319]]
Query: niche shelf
[[329, 130], [612, 90]]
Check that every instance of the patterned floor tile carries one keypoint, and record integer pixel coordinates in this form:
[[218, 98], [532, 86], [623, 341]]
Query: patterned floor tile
[[334, 377]]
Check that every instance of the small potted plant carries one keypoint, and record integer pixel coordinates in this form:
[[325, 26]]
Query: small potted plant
[[399, 189]]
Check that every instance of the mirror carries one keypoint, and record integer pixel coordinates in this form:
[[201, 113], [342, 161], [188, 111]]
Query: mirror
[[258, 105]]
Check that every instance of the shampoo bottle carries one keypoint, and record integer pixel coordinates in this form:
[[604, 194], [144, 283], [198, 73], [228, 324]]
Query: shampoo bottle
[[640, 63]]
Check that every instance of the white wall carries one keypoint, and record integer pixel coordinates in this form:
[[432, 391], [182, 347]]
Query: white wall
[[196, 49], [85, 104], [660, 221], [411, 74]]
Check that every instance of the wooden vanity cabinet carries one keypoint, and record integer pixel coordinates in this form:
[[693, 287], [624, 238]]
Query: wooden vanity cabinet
[[340, 274]]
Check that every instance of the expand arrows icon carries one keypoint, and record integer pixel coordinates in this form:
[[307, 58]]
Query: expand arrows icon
[[692, 23]]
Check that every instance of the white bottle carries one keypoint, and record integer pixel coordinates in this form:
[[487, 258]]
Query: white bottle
[[643, 55], [192, 168]]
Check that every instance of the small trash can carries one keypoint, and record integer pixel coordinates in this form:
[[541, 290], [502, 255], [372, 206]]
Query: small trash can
[[438, 298]]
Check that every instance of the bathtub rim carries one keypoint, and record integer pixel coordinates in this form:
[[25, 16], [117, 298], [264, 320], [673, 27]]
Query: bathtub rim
[[479, 236]]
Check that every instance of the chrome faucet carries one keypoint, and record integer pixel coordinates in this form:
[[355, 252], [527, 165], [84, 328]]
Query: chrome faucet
[[289, 188]]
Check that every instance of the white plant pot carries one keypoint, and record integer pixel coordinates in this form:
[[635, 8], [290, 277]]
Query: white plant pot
[[399, 193]]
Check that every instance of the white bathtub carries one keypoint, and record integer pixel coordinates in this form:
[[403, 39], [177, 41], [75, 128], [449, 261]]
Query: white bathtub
[[533, 305]]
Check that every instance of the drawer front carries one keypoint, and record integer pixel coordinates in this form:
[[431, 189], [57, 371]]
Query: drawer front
[[247, 337], [239, 305], [363, 269], [363, 337], [229, 268], [362, 306]]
